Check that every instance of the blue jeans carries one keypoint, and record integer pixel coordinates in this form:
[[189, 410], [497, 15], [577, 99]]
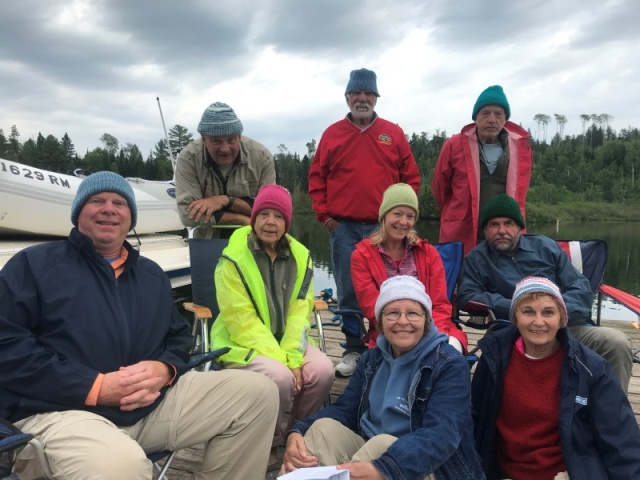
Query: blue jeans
[[343, 242]]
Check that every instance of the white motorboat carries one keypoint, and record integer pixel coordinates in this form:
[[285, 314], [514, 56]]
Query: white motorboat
[[35, 207], [38, 202]]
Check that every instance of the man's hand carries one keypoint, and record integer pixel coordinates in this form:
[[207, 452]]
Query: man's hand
[[297, 374], [331, 225], [295, 455], [134, 386], [206, 207], [361, 471]]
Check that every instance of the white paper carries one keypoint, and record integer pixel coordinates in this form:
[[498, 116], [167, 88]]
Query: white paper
[[316, 473]]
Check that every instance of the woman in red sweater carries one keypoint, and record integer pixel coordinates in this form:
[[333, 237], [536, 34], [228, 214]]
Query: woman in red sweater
[[395, 249]]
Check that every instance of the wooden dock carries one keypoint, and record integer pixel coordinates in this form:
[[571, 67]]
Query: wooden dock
[[186, 460]]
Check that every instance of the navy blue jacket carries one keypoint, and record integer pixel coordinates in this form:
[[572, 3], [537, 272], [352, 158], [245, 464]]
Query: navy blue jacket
[[598, 430], [441, 436], [490, 277], [64, 318]]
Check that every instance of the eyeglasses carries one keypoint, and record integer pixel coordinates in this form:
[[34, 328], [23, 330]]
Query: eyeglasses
[[412, 316]]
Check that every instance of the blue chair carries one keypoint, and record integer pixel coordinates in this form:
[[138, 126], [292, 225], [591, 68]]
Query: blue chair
[[452, 254]]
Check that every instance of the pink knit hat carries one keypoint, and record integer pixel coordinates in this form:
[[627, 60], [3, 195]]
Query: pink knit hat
[[275, 197]]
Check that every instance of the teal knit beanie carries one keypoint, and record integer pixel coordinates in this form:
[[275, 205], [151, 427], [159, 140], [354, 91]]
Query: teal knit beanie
[[492, 96], [501, 206], [398, 195], [219, 120], [103, 182], [362, 79]]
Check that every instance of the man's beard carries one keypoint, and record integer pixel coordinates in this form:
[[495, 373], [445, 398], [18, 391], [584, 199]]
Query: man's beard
[[507, 246]]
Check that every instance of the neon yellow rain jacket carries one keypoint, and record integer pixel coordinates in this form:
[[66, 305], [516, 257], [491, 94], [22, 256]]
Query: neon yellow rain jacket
[[244, 322]]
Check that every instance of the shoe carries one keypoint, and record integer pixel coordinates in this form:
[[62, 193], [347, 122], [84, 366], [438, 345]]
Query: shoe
[[348, 364]]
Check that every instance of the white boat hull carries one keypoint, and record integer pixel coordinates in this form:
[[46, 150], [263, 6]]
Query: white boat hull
[[38, 202]]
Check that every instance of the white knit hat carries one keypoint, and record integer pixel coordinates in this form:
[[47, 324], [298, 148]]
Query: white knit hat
[[402, 287]]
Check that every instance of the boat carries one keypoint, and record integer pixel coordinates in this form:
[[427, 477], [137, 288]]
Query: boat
[[38, 202], [35, 207]]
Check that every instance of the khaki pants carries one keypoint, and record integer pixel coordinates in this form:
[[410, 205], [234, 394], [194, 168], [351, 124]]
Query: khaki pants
[[317, 377], [612, 345], [233, 413], [333, 444]]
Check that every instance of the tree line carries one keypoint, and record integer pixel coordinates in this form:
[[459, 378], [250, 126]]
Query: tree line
[[579, 173]]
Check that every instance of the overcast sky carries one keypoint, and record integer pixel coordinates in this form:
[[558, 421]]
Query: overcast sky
[[88, 67]]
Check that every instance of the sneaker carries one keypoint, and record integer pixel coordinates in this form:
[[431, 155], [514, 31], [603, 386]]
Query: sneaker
[[348, 364]]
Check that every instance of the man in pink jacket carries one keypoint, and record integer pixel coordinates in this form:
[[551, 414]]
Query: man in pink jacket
[[488, 157]]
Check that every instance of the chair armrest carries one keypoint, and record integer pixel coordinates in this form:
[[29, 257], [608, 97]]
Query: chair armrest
[[477, 308], [202, 358], [199, 311]]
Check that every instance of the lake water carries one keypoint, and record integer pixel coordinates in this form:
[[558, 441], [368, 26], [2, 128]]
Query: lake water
[[623, 239]]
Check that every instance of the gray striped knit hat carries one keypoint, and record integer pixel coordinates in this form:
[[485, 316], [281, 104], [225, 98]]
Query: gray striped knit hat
[[103, 182], [538, 285], [219, 120]]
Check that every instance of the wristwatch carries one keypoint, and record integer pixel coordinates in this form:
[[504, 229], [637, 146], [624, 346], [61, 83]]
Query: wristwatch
[[231, 200]]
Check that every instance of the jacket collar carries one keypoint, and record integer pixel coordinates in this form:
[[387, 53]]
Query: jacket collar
[[84, 245]]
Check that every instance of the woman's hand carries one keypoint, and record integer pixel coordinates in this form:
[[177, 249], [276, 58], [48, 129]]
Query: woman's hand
[[295, 455], [361, 471], [297, 374]]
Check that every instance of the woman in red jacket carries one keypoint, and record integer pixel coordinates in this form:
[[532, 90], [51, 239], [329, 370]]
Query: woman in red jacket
[[395, 249]]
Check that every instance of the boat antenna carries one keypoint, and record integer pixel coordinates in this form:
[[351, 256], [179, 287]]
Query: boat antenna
[[166, 136]]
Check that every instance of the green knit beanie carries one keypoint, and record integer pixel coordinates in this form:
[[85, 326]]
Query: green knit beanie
[[501, 206], [398, 195], [492, 96]]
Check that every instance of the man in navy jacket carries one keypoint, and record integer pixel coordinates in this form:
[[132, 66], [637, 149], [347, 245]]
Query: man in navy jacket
[[492, 269], [93, 357]]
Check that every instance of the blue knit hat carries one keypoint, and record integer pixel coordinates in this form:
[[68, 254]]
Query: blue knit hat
[[362, 79], [103, 182], [492, 96], [219, 120], [531, 285]]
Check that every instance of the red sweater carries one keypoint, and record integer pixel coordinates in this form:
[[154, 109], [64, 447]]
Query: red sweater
[[352, 168], [368, 273], [528, 423]]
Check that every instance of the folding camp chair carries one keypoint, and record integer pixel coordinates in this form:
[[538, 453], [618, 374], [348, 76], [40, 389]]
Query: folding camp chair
[[452, 254], [11, 442], [204, 256], [590, 258]]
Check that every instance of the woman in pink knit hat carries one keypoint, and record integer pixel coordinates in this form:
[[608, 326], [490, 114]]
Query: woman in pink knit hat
[[264, 283]]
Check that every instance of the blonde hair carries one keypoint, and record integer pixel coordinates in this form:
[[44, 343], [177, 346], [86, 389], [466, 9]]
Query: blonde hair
[[379, 235]]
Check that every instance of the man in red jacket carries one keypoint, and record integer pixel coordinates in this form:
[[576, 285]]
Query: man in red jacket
[[488, 157], [356, 160]]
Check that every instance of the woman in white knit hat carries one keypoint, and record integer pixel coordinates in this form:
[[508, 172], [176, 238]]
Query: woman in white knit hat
[[405, 413], [546, 407]]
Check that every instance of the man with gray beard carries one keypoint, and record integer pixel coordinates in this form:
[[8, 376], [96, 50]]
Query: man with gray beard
[[492, 269], [357, 159]]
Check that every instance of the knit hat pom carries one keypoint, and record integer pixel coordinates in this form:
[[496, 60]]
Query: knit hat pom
[[543, 285], [398, 195], [103, 182], [402, 287], [276, 197], [492, 96], [362, 79], [501, 206], [219, 120]]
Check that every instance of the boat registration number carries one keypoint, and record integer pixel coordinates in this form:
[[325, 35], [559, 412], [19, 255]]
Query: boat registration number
[[34, 174]]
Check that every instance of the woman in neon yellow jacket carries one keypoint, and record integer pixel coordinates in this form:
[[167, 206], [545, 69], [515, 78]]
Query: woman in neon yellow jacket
[[264, 283]]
